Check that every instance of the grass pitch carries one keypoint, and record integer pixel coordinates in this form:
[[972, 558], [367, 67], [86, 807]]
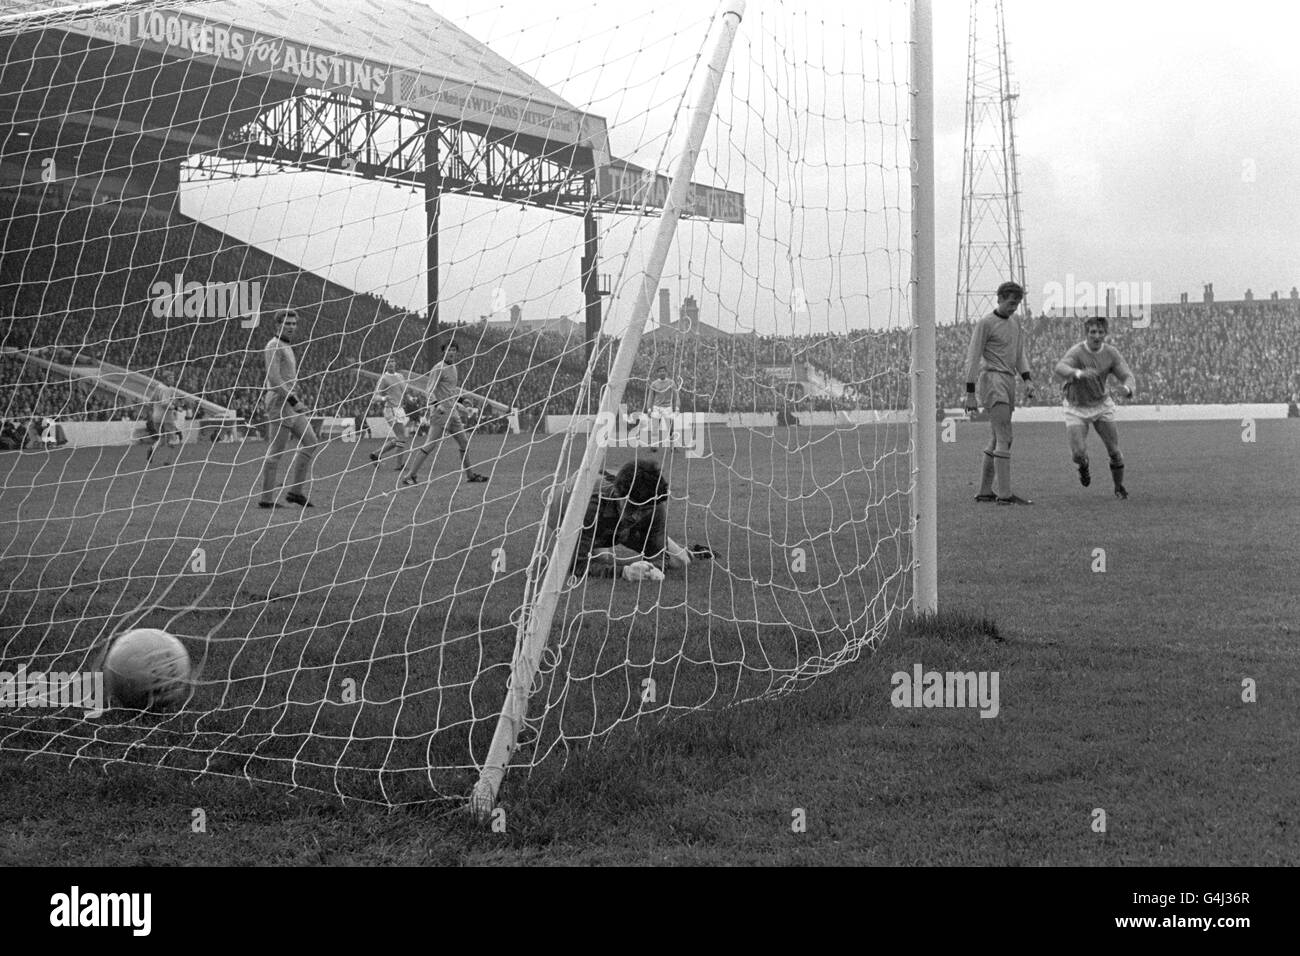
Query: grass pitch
[[1121, 689]]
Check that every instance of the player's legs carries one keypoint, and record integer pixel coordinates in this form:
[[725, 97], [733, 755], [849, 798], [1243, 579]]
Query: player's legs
[[1076, 432], [152, 436], [1000, 418], [278, 436], [438, 418], [457, 429], [987, 470], [1110, 438], [398, 439], [299, 427]]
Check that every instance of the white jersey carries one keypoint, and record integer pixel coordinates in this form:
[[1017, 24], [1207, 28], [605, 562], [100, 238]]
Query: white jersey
[[164, 403], [391, 389], [281, 371]]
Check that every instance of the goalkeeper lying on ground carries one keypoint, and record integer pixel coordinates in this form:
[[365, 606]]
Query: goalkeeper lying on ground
[[623, 531]]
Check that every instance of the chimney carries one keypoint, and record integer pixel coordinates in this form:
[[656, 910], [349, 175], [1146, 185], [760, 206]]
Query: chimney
[[516, 314], [690, 313]]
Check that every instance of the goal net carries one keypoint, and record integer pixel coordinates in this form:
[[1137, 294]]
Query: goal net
[[570, 249]]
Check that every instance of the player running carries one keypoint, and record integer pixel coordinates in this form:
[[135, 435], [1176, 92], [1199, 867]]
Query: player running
[[444, 387], [1084, 370], [163, 409], [997, 350], [286, 417], [391, 393], [661, 404]]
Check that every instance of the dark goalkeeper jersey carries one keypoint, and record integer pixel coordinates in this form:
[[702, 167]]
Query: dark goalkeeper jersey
[[611, 521]]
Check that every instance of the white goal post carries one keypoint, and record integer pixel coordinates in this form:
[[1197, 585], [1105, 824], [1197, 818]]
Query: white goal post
[[535, 622]]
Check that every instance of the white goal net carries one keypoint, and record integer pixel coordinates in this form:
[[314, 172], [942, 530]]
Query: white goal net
[[460, 205]]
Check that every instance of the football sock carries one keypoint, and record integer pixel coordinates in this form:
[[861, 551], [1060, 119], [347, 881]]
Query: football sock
[[1117, 471], [1002, 470], [986, 476]]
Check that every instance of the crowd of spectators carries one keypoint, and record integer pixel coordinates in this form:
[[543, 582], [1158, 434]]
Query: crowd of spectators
[[84, 299]]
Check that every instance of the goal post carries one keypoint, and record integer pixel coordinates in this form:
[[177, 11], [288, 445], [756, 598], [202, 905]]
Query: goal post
[[925, 493], [535, 622]]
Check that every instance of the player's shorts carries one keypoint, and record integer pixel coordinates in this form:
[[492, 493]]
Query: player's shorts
[[280, 414], [661, 411], [395, 414], [444, 419], [996, 388], [1083, 414]]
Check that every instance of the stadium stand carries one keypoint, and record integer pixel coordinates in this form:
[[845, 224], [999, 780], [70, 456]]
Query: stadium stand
[[1192, 353]]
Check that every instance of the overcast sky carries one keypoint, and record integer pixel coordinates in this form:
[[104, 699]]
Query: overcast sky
[[1159, 143]]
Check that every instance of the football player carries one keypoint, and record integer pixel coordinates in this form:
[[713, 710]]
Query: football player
[[444, 386], [623, 530], [286, 416], [163, 409], [1084, 370], [391, 394], [997, 351]]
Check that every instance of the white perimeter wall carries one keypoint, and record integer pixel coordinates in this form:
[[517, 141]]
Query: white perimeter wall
[[123, 433]]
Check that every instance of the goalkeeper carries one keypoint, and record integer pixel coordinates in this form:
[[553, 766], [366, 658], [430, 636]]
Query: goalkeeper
[[623, 531], [1084, 370]]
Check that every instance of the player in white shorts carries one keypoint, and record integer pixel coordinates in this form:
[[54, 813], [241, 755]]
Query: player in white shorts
[[163, 412], [661, 404], [444, 419], [1084, 370], [391, 393]]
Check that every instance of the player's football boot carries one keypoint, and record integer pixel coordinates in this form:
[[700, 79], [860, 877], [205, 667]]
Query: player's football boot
[[1085, 475], [475, 477], [1121, 493], [411, 480], [300, 500], [1014, 500], [986, 498], [374, 457]]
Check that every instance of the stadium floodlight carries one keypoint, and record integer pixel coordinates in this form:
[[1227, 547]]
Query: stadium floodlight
[[212, 288]]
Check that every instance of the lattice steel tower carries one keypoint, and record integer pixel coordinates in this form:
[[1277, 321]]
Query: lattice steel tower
[[991, 245]]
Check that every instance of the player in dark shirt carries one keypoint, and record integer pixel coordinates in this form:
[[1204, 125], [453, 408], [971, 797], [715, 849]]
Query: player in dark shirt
[[625, 524]]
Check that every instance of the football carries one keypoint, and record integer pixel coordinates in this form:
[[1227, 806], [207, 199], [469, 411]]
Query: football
[[147, 669]]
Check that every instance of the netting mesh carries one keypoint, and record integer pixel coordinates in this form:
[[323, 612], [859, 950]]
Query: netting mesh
[[174, 176]]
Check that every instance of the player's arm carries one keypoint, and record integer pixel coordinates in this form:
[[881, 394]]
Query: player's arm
[[483, 401], [1067, 372], [978, 339], [1125, 375], [1022, 364]]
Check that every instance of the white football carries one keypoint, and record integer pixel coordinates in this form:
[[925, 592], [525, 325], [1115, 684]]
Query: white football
[[147, 669]]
